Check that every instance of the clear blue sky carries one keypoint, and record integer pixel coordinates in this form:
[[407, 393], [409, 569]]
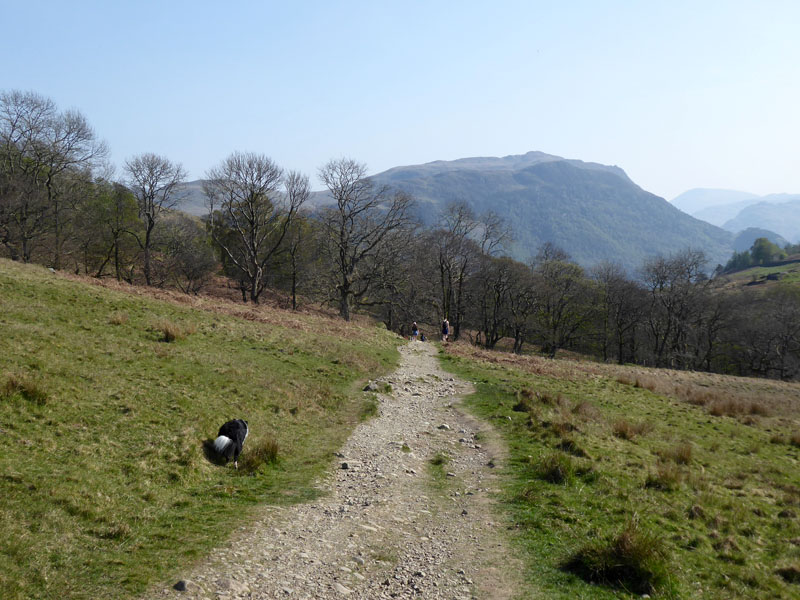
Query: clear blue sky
[[680, 94]]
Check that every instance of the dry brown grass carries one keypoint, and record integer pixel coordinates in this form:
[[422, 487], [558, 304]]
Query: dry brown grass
[[260, 452], [680, 454], [666, 477], [172, 332], [794, 439], [24, 385], [118, 318], [734, 407], [761, 396], [627, 430]]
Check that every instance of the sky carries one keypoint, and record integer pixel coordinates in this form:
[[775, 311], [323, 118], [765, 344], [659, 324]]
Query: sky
[[679, 94]]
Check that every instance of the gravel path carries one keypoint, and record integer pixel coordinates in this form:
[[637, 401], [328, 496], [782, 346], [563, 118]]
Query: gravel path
[[388, 527]]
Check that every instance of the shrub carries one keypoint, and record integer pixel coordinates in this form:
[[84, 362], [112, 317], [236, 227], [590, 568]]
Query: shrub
[[635, 560], [25, 386], [260, 452]]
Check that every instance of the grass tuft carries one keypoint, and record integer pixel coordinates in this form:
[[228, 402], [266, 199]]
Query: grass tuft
[[680, 454], [667, 478], [627, 430], [118, 318], [635, 560], [172, 332], [26, 387], [262, 452], [556, 468]]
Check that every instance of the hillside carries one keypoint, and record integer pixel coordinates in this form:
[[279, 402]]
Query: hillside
[[104, 484], [700, 199], [782, 217], [593, 211]]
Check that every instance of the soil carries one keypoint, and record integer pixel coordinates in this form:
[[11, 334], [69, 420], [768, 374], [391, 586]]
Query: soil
[[391, 523]]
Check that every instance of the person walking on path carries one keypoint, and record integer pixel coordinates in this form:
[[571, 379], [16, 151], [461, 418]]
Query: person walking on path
[[445, 329], [414, 331]]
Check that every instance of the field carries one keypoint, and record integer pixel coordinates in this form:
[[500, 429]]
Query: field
[[624, 480], [789, 274], [106, 399]]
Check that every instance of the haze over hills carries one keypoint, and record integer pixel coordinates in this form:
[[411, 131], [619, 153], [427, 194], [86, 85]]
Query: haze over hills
[[782, 218], [593, 211], [700, 199], [736, 211]]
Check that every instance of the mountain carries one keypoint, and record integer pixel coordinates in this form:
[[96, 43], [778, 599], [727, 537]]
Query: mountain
[[745, 239], [782, 218], [593, 211], [192, 200], [700, 199]]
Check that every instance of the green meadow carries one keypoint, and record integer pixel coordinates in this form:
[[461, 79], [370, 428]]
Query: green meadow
[[614, 490], [106, 401]]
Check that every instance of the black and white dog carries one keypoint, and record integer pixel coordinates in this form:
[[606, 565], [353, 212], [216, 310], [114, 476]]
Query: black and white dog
[[230, 440]]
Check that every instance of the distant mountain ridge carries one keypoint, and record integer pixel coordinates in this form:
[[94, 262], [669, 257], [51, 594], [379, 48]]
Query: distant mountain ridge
[[595, 212], [736, 211]]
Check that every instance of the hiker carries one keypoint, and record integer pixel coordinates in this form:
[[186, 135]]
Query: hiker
[[445, 329], [422, 336], [414, 331]]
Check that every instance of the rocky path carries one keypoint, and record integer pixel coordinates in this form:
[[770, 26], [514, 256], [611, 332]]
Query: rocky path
[[391, 525]]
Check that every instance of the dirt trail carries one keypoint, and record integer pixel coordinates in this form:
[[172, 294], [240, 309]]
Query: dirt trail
[[387, 528]]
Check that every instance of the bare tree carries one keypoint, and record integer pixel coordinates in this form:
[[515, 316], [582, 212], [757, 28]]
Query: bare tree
[[155, 182], [250, 215], [356, 227], [42, 151]]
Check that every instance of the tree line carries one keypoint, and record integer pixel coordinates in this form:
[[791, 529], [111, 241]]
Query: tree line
[[362, 250]]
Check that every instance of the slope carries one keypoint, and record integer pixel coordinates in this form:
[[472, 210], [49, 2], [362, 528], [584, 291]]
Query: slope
[[103, 482], [593, 211]]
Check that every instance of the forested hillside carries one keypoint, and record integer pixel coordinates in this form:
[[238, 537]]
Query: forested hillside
[[593, 211]]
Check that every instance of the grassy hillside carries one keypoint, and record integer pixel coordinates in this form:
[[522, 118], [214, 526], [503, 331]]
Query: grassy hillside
[[104, 486], [624, 480], [787, 274]]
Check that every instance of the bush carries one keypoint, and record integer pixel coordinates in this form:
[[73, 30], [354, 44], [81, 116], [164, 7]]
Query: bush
[[635, 560]]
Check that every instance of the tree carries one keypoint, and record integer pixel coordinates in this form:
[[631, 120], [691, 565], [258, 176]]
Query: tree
[[763, 251], [249, 215], [154, 181], [562, 296], [107, 213], [620, 304], [189, 258], [676, 285], [42, 152], [356, 229]]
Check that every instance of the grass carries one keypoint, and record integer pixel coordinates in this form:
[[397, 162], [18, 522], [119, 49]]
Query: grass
[[104, 486], [634, 560], [687, 504]]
